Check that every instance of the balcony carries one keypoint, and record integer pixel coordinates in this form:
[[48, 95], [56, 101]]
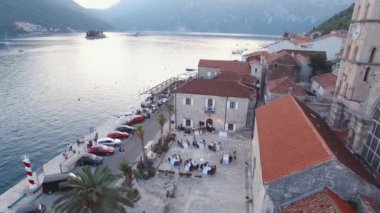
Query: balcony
[[209, 109]]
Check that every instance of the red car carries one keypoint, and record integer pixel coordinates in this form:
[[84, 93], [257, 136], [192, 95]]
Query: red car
[[136, 119], [101, 150], [118, 135]]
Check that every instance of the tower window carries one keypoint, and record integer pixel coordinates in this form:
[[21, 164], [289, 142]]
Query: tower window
[[357, 13], [365, 79], [348, 51], [355, 53], [372, 56], [366, 11]]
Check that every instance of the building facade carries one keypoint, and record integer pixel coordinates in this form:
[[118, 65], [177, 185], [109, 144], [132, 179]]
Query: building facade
[[220, 104], [323, 85], [357, 93]]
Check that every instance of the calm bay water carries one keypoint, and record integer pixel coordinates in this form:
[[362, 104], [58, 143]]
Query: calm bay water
[[53, 89]]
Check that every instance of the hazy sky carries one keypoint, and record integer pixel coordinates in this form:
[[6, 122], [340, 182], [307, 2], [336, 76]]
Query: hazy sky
[[97, 4]]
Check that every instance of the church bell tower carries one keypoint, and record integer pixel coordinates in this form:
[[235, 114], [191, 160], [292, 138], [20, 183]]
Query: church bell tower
[[357, 91]]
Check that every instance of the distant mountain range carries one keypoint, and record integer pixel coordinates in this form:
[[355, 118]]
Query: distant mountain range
[[42, 16], [338, 21], [228, 16]]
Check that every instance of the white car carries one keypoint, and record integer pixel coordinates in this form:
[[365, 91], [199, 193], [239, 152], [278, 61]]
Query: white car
[[109, 142]]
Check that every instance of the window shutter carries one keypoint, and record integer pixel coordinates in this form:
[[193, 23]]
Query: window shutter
[[184, 122], [192, 102], [228, 104], [184, 101], [206, 102], [236, 105], [234, 127], [213, 102], [225, 127]]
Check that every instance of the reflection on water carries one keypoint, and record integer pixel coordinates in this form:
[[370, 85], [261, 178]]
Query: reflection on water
[[57, 87]]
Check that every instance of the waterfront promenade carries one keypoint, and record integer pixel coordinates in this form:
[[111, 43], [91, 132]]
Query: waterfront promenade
[[132, 151]]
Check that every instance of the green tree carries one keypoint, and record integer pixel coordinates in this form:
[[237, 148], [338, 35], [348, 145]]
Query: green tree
[[127, 171], [91, 192], [170, 109], [318, 63], [140, 134], [161, 120]]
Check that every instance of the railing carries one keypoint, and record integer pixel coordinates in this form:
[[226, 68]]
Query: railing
[[209, 109]]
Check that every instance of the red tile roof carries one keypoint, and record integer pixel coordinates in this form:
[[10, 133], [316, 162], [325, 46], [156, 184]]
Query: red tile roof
[[325, 80], [301, 39], [325, 201], [243, 78], [226, 66], [293, 138], [282, 85], [306, 53], [216, 87], [256, 53]]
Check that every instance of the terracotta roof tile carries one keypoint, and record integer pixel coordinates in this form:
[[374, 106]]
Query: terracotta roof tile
[[216, 87], [293, 138], [301, 39], [325, 201], [256, 53], [288, 143], [226, 66], [282, 85], [325, 80]]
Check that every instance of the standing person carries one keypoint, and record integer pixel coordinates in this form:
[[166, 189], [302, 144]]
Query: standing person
[[96, 137], [78, 142]]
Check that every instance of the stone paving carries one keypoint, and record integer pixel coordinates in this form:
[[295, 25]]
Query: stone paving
[[224, 191]]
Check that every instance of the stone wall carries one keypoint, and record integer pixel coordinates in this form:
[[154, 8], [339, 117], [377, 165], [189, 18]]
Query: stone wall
[[331, 174]]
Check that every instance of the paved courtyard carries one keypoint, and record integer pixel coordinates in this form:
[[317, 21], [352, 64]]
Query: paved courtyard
[[224, 191]]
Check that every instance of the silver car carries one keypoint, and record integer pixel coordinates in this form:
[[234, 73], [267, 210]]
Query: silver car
[[109, 142]]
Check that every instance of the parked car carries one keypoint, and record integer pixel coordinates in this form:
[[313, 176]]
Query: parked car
[[118, 135], [101, 150], [89, 159], [32, 208], [52, 183], [109, 142], [136, 119], [126, 128]]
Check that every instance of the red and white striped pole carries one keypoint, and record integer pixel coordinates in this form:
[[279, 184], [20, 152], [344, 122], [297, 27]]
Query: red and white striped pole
[[29, 172]]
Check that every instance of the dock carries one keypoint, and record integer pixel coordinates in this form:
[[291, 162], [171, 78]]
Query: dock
[[179, 79]]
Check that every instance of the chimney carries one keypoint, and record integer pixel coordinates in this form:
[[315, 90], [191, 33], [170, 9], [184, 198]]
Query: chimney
[[290, 90]]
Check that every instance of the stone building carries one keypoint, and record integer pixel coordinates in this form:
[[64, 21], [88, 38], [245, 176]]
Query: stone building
[[323, 85], [283, 86], [356, 105], [295, 153], [221, 104]]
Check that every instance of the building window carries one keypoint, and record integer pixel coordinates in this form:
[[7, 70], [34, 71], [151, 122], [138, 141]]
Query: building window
[[275, 66], [187, 122], [188, 101], [371, 149], [209, 74], [365, 79], [366, 11], [230, 127], [372, 56], [232, 105], [210, 103], [255, 69]]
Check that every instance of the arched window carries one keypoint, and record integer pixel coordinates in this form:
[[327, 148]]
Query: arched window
[[371, 148]]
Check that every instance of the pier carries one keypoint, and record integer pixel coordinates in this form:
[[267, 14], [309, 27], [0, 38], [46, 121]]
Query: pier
[[169, 83]]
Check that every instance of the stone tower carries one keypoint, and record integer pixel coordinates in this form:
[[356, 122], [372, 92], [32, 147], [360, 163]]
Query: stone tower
[[357, 93]]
